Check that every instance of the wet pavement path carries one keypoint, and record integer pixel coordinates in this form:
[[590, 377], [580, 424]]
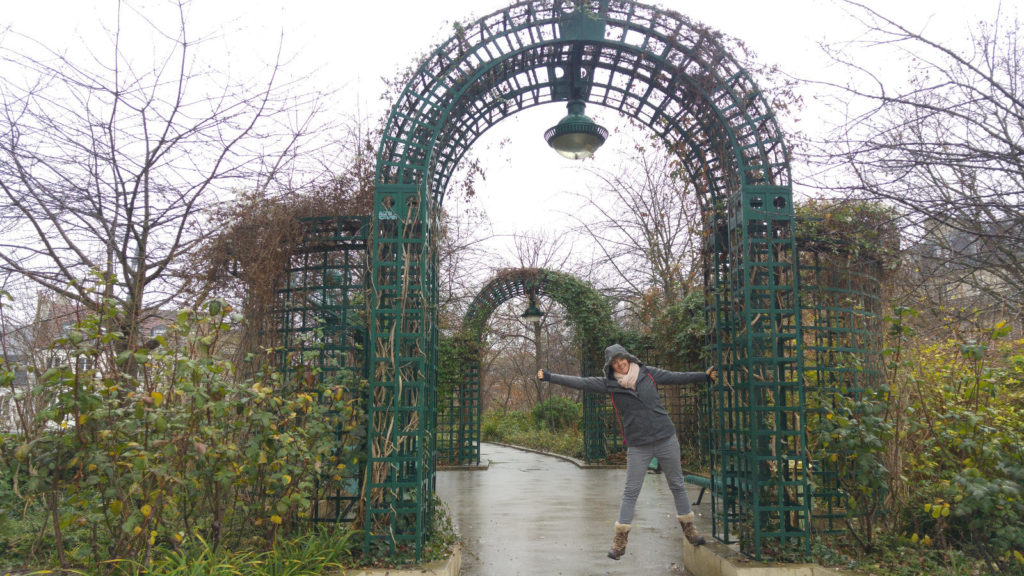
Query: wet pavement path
[[531, 514]]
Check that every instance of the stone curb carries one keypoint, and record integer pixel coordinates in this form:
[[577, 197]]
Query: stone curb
[[717, 559], [578, 463], [468, 467], [447, 567]]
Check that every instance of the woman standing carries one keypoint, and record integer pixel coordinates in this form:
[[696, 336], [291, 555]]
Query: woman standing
[[647, 431]]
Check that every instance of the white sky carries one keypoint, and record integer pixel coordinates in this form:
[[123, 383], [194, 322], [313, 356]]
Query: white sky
[[351, 44]]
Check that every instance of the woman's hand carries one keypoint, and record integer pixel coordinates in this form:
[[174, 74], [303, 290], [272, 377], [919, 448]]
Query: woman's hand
[[540, 374], [711, 373]]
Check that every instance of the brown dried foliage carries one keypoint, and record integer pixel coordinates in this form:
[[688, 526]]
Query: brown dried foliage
[[247, 260]]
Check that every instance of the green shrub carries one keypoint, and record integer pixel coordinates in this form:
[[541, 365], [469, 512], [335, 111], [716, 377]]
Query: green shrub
[[960, 480], [558, 413], [520, 429], [162, 447]]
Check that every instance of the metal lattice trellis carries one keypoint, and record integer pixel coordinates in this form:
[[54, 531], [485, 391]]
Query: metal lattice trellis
[[601, 436], [842, 314], [320, 309], [676, 77], [758, 451]]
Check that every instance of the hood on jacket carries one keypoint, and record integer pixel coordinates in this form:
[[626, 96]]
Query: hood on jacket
[[611, 353]]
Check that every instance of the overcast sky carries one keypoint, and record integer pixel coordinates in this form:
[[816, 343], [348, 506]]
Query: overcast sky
[[350, 45]]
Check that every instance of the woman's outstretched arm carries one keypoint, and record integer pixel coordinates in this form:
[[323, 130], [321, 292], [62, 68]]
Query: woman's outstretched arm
[[670, 378], [591, 383]]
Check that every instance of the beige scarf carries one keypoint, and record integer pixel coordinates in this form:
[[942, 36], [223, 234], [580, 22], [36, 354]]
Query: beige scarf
[[628, 380]]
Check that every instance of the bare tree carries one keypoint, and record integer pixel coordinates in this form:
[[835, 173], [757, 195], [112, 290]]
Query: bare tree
[[946, 146], [644, 222], [510, 357], [108, 160], [464, 262]]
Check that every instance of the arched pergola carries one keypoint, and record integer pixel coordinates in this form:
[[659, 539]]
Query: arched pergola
[[587, 312], [676, 77]]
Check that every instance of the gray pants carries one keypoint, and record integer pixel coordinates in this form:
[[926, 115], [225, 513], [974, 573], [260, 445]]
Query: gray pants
[[637, 460]]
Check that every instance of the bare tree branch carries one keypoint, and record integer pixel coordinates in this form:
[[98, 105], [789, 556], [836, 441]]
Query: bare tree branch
[[109, 162]]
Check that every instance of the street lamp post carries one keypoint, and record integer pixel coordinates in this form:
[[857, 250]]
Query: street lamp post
[[533, 315], [576, 136]]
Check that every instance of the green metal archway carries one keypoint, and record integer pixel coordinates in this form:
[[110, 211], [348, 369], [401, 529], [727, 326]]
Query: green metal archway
[[591, 318], [674, 76]]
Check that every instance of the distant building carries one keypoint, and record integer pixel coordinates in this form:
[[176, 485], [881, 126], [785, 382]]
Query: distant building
[[29, 350], [971, 266]]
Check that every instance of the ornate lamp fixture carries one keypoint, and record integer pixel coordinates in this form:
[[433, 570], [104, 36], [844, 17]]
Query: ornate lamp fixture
[[533, 314], [576, 136]]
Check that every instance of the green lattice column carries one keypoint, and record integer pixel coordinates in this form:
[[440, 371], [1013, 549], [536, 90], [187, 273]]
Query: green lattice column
[[766, 446], [459, 406], [403, 355], [725, 419], [601, 434], [595, 416], [471, 412]]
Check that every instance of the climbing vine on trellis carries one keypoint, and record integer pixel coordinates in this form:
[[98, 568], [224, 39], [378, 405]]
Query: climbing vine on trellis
[[455, 354], [589, 312], [590, 315], [860, 230]]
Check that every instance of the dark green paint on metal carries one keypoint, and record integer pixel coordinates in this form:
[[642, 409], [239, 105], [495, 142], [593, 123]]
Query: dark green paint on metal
[[321, 311], [674, 76]]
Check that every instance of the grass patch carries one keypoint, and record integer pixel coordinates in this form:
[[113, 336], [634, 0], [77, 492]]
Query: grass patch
[[522, 429]]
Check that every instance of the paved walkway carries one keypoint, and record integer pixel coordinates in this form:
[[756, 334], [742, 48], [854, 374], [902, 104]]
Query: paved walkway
[[536, 515]]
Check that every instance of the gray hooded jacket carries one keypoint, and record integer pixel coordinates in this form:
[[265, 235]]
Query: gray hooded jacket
[[642, 418]]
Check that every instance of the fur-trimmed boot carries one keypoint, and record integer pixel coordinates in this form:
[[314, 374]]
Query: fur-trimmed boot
[[619, 542], [692, 536]]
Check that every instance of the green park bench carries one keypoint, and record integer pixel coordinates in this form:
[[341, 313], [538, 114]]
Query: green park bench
[[701, 481]]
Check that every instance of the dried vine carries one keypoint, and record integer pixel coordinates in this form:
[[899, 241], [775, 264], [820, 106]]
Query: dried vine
[[248, 261]]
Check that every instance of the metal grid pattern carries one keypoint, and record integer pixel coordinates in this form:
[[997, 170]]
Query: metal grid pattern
[[320, 312], [760, 486], [600, 432], [683, 404], [459, 414], [602, 438], [674, 76], [403, 370], [842, 316]]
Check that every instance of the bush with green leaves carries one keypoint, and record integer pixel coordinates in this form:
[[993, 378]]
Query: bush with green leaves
[[936, 457], [160, 447], [853, 436], [558, 413], [964, 449]]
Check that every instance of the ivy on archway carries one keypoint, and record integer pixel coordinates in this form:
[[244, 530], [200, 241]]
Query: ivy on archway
[[587, 311]]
